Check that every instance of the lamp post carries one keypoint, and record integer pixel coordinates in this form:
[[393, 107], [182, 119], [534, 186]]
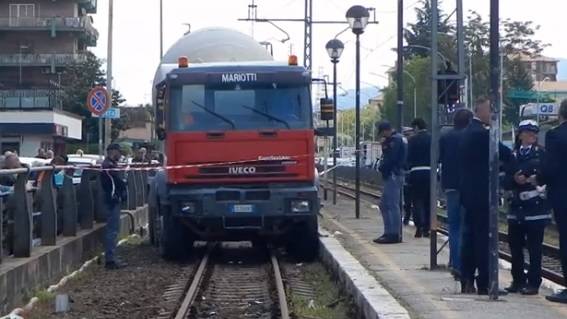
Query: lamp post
[[539, 97], [357, 17], [335, 48]]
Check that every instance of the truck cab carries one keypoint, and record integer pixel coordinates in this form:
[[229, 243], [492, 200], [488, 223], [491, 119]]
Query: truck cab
[[239, 143]]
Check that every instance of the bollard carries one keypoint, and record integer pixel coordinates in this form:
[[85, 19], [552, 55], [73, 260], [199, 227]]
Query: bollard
[[69, 207], [131, 180], [98, 194], [48, 206], [86, 201], [22, 218], [139, 189]]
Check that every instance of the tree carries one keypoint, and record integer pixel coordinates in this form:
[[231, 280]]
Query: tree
[[420, 69], [419, 33], [121, 124]]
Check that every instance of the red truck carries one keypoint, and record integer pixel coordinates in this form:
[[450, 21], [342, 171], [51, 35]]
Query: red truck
[[238, 139]]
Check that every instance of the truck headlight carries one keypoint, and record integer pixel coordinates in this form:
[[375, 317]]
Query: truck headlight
[[188, 207], [300, 206]]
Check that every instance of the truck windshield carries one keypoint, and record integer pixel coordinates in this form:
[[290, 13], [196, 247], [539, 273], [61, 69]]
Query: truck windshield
[[234, 107]]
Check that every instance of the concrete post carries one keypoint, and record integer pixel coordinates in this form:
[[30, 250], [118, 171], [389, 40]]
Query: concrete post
[[22, 218], [70, 217], [86, 203], [48, 204]]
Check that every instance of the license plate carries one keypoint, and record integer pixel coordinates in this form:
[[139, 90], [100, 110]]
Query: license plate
[[242, 208]]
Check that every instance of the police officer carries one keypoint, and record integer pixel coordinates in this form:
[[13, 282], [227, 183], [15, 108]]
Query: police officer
[[448, 158], [418, 161], [554, 175], [114, 189], [408, 210], [392, 169], [528, 214], [473, 187]]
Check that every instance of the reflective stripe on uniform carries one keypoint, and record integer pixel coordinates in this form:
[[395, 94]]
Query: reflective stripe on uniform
[[531, 218], [420, 168]]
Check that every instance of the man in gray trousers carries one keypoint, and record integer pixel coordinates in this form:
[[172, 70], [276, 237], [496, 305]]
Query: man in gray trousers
[[394, 152]]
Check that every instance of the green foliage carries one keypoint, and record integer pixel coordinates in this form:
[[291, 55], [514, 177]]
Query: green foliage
[[420, 69], [518, 37], [419, 33], [369, 115]]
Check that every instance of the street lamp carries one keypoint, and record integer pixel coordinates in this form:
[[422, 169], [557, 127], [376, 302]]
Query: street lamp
[[357, 17], [539, 97], [335, 48]]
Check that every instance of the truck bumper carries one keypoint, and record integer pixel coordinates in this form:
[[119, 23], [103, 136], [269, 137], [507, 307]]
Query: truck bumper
[[243, 213]]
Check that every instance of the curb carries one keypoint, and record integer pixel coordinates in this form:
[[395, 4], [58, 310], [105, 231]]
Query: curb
[[372, 300]]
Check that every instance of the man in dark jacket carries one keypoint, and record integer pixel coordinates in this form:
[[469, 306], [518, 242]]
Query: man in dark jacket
[[449, 160], [419, 158], [474, 190], [554, 174], [114, 189], [392, 169]]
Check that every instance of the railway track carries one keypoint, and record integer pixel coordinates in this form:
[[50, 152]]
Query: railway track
[[551, 269], [234, 280]]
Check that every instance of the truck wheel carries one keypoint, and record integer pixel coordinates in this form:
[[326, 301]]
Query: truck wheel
[[303, 242], [175, 241]]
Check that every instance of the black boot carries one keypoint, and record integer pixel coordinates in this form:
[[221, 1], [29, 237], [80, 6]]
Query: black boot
[[467, 287], [529, 291], [418, 233], [515, 287], [560, 297]]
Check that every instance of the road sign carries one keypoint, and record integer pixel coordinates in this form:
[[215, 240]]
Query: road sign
[[98, 100], [112, 113]]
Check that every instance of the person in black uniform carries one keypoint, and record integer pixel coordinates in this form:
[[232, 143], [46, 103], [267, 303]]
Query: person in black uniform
[[529, 213], [114, 190], [392, 169], [449, 160], [474, 191], [408, 210], [554, 175], [419, 158]]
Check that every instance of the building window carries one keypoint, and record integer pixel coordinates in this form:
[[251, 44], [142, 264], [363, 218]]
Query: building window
[[550, 68], [22, 14]]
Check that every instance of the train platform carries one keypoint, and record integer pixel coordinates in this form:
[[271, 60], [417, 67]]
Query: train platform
[[403, 270]]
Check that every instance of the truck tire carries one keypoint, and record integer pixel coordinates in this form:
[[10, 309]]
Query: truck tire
[[303, 242], [175, 241]]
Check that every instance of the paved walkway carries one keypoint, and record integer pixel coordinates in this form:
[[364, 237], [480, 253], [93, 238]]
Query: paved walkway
[[403, 269]]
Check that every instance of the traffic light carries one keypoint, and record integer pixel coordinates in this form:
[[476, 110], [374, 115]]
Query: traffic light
[[327, 109], [448, 90]]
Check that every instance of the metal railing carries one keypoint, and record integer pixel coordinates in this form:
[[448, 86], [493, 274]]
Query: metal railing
[[35, 211], [41, 59], [29, 99], [50, 23]]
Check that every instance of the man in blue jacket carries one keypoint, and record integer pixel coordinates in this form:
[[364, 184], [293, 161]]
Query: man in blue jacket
[[474, 192], [392, 169], [449, 160], [554, 174], [114, 190]]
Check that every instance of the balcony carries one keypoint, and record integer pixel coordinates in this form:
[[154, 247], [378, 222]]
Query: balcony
[[13, 100], [41, 59], [53, 24]]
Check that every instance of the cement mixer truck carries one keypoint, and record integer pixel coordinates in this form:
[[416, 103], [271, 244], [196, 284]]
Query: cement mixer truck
[[236, 130]]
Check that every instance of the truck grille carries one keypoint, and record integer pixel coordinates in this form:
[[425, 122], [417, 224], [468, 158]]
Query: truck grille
[[243, 222]]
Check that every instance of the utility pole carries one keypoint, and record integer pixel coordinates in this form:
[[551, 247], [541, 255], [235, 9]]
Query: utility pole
[[495, 69], [400, 66], [160, 29], [434, 135], [308, 35], [461, 49], [107, 122]]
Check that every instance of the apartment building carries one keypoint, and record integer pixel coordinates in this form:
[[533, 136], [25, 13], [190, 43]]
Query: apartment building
[[38, 40]]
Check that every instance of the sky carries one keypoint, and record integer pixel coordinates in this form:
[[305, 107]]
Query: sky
[[136, 33]]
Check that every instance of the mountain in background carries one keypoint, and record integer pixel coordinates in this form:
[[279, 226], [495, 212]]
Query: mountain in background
[[562, 70], [348, 101]]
